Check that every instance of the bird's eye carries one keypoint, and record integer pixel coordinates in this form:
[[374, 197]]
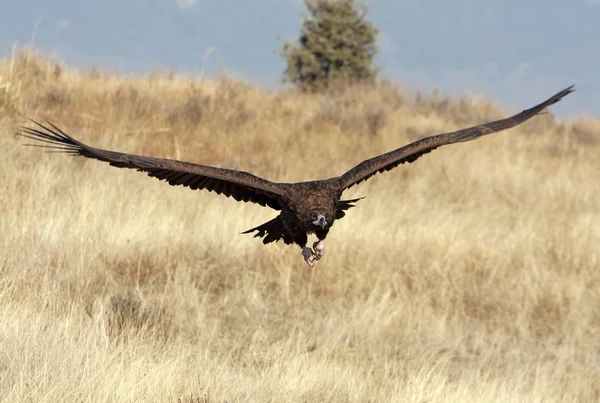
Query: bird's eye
[[313, 216]]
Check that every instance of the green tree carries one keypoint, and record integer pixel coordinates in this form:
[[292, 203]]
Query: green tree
[[337, 43]]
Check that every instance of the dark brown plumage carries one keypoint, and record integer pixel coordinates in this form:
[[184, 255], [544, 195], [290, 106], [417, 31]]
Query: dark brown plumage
[[306, 207]]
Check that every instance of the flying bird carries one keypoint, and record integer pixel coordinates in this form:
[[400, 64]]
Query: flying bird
[[305, 207]]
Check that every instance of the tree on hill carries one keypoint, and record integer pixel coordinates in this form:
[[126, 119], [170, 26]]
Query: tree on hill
[[336, 43]]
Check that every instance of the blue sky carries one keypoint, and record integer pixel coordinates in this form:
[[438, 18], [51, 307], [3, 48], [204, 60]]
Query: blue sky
[[517, 52]]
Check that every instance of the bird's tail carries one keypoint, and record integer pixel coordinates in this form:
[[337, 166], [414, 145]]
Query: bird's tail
[[272, 231]]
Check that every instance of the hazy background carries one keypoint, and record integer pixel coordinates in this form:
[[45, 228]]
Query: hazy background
[[512, 51]]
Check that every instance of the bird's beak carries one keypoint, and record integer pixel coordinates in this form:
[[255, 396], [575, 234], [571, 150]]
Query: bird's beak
[[320, 221]]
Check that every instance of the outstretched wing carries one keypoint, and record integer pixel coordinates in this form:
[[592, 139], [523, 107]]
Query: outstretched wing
[[242, 186], [411, 152]]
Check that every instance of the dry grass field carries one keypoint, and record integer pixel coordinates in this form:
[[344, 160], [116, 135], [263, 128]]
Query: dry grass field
[[471, 275]]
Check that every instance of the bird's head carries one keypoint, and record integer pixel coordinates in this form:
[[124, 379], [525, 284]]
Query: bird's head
[[318, 218]]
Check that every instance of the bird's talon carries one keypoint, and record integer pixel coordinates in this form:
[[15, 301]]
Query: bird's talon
[[318, 247], [309, 256]]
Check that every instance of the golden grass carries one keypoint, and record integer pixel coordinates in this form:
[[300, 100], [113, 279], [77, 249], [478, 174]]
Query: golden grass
[[472, 274]]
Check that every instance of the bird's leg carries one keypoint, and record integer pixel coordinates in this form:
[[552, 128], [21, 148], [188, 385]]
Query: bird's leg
[[309, 256], [319, 248]]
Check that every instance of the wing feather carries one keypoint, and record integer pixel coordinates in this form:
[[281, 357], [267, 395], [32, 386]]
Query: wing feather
[[411, 152], [240, 185]]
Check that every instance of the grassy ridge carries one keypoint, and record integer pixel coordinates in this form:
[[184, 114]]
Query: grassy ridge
[[472, 274]]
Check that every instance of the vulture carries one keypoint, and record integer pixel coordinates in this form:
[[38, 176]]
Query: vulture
[[304, 207]]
